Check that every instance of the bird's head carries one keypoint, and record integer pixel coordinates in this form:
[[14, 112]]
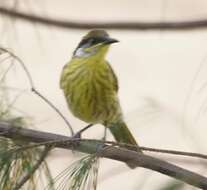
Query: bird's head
[[95, 42]]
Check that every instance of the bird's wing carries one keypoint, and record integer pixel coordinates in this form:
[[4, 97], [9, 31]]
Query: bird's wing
[[63, 75], [115, 80]]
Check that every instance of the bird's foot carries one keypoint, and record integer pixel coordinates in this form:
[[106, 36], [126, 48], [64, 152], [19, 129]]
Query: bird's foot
[[77, 136]]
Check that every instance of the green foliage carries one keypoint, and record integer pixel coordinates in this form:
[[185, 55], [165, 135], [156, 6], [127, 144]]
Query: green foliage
[[81, 175], [14, 164]]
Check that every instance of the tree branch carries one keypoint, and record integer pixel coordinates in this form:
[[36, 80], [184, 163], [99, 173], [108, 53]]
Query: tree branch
[[111, 152], [171, 25]]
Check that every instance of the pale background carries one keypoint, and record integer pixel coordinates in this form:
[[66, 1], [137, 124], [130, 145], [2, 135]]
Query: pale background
[[155, 71]]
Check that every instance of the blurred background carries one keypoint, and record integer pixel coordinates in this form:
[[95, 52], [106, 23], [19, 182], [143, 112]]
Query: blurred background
[[162, 77]]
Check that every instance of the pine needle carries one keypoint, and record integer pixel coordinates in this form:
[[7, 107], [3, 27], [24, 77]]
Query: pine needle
[[15, 164], [81, 175]]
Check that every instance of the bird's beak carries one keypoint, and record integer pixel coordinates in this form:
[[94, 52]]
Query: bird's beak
[[109, 40]]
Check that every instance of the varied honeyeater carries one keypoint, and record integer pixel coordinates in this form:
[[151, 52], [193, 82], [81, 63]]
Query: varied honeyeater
[[90, 86]]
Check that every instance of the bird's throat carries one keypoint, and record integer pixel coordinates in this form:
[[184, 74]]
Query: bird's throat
[[95, 53]]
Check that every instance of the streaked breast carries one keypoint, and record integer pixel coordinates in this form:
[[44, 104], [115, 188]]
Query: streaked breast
[[90, 92]]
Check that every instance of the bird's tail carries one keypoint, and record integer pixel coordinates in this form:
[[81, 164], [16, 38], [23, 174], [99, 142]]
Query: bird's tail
[[122, 134]]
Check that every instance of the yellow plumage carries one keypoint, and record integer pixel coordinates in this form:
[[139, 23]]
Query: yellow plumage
[[90, 86]]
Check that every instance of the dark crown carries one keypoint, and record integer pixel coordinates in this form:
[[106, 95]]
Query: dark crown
[[93, 37]]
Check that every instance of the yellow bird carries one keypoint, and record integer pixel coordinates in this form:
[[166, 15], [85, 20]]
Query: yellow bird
[[90, 86]]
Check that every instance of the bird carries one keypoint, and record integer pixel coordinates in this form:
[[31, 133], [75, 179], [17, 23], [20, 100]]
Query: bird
[[90, 87]]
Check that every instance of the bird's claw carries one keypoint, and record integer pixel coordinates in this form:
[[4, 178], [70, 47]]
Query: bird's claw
[[77, 135], [75, 138]]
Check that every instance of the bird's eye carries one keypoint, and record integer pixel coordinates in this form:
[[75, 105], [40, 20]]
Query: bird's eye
[[92, 41]]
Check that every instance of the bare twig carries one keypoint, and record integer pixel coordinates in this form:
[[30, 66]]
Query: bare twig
[[115, 153], [56, 109], [175, 152], [171, 25], [60, 143], [33, 89]]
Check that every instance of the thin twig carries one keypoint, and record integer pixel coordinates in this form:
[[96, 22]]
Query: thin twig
[[118, 25], [55, 108], [175, 152], [33, 89], [22, 64], [61, 143], [5, 73], [42, 138], [116, 153], [111, 152]]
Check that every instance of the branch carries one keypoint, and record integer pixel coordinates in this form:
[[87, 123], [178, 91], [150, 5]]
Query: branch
[[111, 152], [171, 25]]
